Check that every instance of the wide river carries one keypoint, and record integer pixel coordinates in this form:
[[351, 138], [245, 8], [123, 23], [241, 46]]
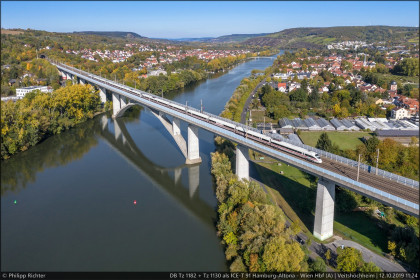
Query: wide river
[[115, 195]]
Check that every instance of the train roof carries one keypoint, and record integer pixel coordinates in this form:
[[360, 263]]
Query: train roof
[[296, 148]]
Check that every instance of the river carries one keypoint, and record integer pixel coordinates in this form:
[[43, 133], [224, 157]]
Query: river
[[115, 195]]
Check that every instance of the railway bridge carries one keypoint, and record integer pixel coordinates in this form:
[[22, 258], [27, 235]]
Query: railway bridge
[[330, 173]]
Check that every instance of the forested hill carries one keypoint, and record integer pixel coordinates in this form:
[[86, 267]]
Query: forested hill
[[317, 37], [115, 34]]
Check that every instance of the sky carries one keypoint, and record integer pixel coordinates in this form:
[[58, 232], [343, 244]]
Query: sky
[[192, 19]]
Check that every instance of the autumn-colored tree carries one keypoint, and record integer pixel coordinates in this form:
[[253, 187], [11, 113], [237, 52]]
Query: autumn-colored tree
[[349, 260]]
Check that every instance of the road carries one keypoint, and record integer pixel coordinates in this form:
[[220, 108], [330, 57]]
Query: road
[[368, 256], [248, 101]]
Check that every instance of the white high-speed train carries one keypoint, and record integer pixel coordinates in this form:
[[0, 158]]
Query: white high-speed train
[[281, 145]]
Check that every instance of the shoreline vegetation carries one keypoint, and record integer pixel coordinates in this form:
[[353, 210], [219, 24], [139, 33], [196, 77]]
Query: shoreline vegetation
[[39, 115], [252, 229]]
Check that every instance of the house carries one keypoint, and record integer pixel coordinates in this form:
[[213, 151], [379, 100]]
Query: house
[[21, 92], [379, 102], [294, 86], [399, 113], [157, 72], [282, 87], [412, 105], [12, 82]]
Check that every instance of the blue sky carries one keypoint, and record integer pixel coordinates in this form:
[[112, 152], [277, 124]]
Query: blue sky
[[202, 19]]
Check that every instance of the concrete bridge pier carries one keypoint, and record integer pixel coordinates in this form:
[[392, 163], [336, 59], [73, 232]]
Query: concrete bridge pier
[[242, 162], [176, 127], [193, 179], [193, 145], [123, 101], [102, 94], [116, 106], [68, 76], [82, 82], [324, 209]]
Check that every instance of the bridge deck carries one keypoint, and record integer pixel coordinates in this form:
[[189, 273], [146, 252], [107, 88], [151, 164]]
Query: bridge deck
[[387, 191]]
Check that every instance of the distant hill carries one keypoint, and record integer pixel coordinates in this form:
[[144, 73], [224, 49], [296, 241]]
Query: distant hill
[[114, 34], [235, 38], [203, 39], [318, 37]]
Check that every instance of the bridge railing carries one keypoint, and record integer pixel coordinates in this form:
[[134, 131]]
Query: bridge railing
[[321, 170], [365, 167]]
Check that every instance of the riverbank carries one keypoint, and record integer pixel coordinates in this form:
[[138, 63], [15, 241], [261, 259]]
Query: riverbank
[[38, 116]]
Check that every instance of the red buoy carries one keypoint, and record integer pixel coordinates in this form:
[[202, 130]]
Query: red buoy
[[135, 202]]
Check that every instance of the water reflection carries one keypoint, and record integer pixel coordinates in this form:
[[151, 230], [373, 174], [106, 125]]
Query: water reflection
[[167, 179], [57, 150]]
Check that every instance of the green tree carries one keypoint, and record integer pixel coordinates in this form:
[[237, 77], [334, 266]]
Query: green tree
[[324, 142], [349, 260], [328, 256], [318, 265], [298, 95], [369, 267]]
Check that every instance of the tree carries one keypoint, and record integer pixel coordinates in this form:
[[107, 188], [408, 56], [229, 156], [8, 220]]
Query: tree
[[328, 256], [298, 95], [349, 260], [318, 265], [237, 265], [371, 148], [281, 256], [295, 228], [369, 267], [408, 67], [324, 142]]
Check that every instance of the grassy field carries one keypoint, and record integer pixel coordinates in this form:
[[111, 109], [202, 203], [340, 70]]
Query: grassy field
[[295, 192], [258, 117], [345, 140], [403, 79], [369, 236]]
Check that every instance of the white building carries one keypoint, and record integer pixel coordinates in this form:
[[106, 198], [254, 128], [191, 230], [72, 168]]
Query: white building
[[400, 113], [21, 92], [157, 72]]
